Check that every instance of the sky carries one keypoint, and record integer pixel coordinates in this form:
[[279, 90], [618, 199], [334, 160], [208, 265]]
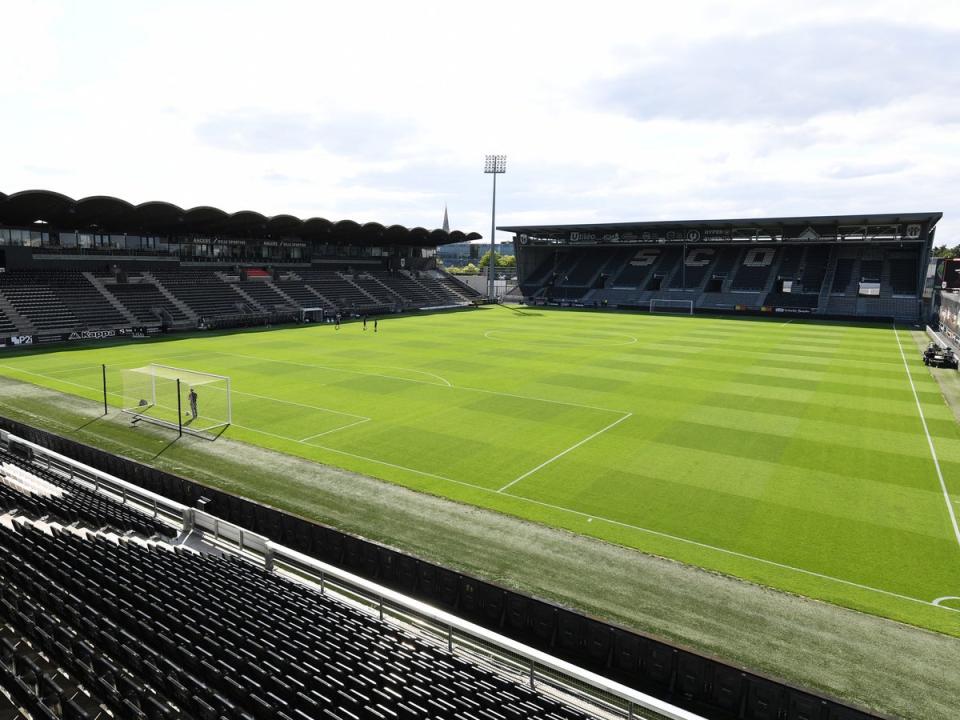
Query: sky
[[383, 111]]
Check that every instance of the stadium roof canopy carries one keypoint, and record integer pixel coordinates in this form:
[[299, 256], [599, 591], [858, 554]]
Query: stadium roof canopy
[[105, 214], [681, 228]]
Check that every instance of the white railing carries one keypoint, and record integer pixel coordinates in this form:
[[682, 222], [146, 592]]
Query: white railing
[[540, 670]]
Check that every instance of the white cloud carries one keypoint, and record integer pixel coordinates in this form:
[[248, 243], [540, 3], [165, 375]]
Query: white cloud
[[383, 111]]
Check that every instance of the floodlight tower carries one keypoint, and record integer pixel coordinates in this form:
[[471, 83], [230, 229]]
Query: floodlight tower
[[493, 165]]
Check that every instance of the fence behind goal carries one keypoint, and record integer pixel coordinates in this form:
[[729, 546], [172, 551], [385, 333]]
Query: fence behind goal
[[196, 402]]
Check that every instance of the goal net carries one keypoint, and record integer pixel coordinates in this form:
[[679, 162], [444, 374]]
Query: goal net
[[193, 401], [681, 307]]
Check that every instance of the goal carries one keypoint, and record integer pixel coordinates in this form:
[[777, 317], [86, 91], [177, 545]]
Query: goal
[[676, 307], [162, 395]]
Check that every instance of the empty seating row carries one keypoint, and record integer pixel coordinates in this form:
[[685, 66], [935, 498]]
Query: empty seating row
[[446, 289], [410, 291], [298, 291], [36, 301], [376, 289], [76, 503], [263, 294], [903, 275], [157, 633], [145, 302], [203, 292], [338, 290], [6, 324], [60, 300]]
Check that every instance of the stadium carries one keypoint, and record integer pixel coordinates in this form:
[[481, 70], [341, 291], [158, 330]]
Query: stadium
[[268, 467]]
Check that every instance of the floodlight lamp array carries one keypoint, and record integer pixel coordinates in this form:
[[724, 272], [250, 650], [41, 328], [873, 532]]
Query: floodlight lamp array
[[495, 164]]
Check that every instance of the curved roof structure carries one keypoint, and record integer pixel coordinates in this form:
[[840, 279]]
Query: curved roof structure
[[103, 213]]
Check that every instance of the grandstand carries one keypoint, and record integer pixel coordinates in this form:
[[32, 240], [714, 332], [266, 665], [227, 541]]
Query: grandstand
[[841, 266], [119, 602], [102, 267]]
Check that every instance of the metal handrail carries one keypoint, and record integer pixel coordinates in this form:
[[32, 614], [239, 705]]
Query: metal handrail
[[272, 554]]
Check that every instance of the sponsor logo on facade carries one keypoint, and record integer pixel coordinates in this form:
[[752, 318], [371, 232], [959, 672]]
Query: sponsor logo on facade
[[913, 231], [93, 334], [758, 257], [645, 257], [21, 340], [698, 257]]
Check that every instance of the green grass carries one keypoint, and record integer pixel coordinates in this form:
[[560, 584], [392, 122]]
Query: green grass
[[789, 454]]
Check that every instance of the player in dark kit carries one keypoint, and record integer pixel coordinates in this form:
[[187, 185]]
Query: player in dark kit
[[192, 397], [364, 322], [374, 324]]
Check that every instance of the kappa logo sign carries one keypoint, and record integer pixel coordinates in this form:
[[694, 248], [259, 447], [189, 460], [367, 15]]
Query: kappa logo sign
[[92, 334]]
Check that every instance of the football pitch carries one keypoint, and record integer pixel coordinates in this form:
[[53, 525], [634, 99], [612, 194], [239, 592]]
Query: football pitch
[[816, 458]]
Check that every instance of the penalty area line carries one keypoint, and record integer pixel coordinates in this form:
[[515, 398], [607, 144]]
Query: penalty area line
[[933, 452], [564, 452], [618, 523], [578, 513]]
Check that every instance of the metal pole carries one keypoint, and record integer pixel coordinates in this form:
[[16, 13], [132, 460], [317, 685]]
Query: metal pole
[[104, 368], [493, 164], [683, 267], [179, 411], [493, 239]]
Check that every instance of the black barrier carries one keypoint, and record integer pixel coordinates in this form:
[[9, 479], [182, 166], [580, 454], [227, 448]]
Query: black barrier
[[701, 684]]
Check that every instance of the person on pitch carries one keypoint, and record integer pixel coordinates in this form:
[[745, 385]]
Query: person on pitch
[[374, 324], [192, 397], [364, 323]]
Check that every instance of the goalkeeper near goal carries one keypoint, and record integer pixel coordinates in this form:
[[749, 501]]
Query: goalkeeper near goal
[[192, 397]]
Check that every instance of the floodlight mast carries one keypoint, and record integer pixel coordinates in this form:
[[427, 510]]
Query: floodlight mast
[[493, 165]]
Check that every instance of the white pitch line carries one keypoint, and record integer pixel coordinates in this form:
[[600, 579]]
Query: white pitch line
[[933, 452], [51, 377], [638, 528], [75, 369], [336, 429], [561, 454], [560, 508], [423, 382], [578, 513], [297, 404], [343, 370], [422, 372]]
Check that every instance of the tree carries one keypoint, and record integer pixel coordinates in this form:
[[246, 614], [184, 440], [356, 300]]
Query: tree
[[946, 252], [485, 260]]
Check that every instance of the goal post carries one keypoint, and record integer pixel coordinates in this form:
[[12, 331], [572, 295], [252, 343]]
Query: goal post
[[675, 307], [195, 402]]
